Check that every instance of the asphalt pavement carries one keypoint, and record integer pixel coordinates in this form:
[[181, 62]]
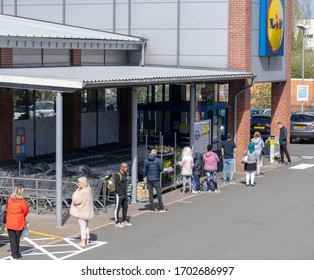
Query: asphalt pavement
[[271, 221]]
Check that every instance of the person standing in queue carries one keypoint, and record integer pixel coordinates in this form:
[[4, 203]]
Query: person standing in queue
[[82, 208], [227, 152], [283, 144], [121, 197], [17, 210], [152, 169]]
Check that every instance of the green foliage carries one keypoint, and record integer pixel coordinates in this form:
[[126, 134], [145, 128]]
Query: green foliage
[[301, 13], [261, 96]]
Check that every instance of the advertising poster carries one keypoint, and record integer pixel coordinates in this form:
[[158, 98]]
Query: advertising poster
[[20, 144], [202, 137]]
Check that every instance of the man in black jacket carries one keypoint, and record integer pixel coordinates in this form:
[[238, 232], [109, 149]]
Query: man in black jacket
[[283, 143], [152, 169], [121, 197]]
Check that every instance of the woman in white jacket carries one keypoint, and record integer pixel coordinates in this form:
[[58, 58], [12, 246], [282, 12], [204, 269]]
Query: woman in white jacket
[[187, 164], [82, 208]]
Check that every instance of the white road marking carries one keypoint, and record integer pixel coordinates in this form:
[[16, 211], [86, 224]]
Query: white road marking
[[302, 166], [308, 157], [40, 250]]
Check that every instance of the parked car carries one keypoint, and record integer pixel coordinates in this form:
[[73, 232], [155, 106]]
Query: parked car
[[43, 109], [260, 123], [266, 112], [301, 126]]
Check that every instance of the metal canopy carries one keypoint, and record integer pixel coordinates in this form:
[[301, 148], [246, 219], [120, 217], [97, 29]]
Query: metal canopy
[[69, 79], [18, 32]]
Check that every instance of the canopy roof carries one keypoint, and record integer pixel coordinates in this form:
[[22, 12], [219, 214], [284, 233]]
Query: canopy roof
[[69, 79], [18, 32]]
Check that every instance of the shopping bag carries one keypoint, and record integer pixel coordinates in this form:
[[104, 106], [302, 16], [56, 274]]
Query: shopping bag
[[2, 228], [25, 230], [142, 192]]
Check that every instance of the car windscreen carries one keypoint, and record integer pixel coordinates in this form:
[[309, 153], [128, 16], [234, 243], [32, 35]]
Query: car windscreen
[[260, 120], [302, 118]]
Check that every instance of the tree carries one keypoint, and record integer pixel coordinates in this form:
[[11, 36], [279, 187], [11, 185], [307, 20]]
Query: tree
[[261, 96], [301, 13]]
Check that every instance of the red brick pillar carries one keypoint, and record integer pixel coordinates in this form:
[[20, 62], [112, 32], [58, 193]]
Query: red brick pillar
[[6, 124], [243, 118], [240, 57], [72, 121], [6, 58], [6, 110], [281, 92], [75, 57]]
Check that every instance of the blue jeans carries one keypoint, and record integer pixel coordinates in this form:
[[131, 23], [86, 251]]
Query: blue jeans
[[226, 162], [197, 183]]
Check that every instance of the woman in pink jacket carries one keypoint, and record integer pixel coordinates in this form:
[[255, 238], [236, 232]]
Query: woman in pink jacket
[[17, 210], [210, 160], [82, 208]]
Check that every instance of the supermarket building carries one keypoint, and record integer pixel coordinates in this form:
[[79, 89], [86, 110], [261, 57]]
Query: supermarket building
[[137, 68]]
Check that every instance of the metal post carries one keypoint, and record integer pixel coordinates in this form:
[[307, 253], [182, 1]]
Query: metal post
[[192, 114], [134, 145], [303, 31], [59, 160], [175, 161]]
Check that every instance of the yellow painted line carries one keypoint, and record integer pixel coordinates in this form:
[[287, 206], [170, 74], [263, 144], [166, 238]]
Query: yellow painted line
[[44, 234]]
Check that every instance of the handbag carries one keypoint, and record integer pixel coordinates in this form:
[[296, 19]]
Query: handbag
[[245, 159], [3, 217], [25, 230]]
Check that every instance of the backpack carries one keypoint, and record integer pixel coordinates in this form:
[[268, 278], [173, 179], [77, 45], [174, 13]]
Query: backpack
[[110, 184]]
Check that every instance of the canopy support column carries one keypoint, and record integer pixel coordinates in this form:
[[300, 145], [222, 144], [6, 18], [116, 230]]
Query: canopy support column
[[134, 145], [59, 159], [192, 113]]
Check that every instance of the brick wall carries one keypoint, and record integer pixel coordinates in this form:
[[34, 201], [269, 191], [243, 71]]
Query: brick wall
[[75, 57], [240, 57], [294, 84], [6, 110], [281, 92], [72, 121], [6, 58], [6, 125], [240, 34], [243, 118]]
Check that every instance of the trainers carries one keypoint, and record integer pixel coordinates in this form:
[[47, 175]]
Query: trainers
[[119, 225], [209, 191], [153, 211], [224, 182], [258, 175], [182, 193], [288, 163], [126, 223], [163, 210], [194, 191], [217, 191], [252, 185], [231, 182]]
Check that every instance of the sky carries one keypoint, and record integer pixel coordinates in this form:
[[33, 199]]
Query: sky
[[312, 9]]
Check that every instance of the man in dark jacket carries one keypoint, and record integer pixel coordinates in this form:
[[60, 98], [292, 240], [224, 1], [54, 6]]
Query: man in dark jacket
[[152, 169], [283, 143], [120, 182]]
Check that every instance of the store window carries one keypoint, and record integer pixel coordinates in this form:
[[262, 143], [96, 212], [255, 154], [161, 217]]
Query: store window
[[89, 101], [223, 93], [111, 100], [24, 101]]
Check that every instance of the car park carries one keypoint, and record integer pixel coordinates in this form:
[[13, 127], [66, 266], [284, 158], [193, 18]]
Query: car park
[[266, 112], [43, 109], [301, 126], [260, 123]]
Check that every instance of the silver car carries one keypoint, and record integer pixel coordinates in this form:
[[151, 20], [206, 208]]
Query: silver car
[[301, 126]]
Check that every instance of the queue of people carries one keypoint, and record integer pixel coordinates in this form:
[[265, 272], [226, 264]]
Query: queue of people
[[82, 206]]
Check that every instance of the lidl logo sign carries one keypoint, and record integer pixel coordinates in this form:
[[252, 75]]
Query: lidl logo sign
[[272, 24]]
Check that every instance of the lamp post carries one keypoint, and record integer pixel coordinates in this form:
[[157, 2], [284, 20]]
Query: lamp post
[[303, 28]]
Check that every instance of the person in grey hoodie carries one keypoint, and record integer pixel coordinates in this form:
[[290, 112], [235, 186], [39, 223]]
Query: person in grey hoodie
[[152, 169], [258, 141]]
